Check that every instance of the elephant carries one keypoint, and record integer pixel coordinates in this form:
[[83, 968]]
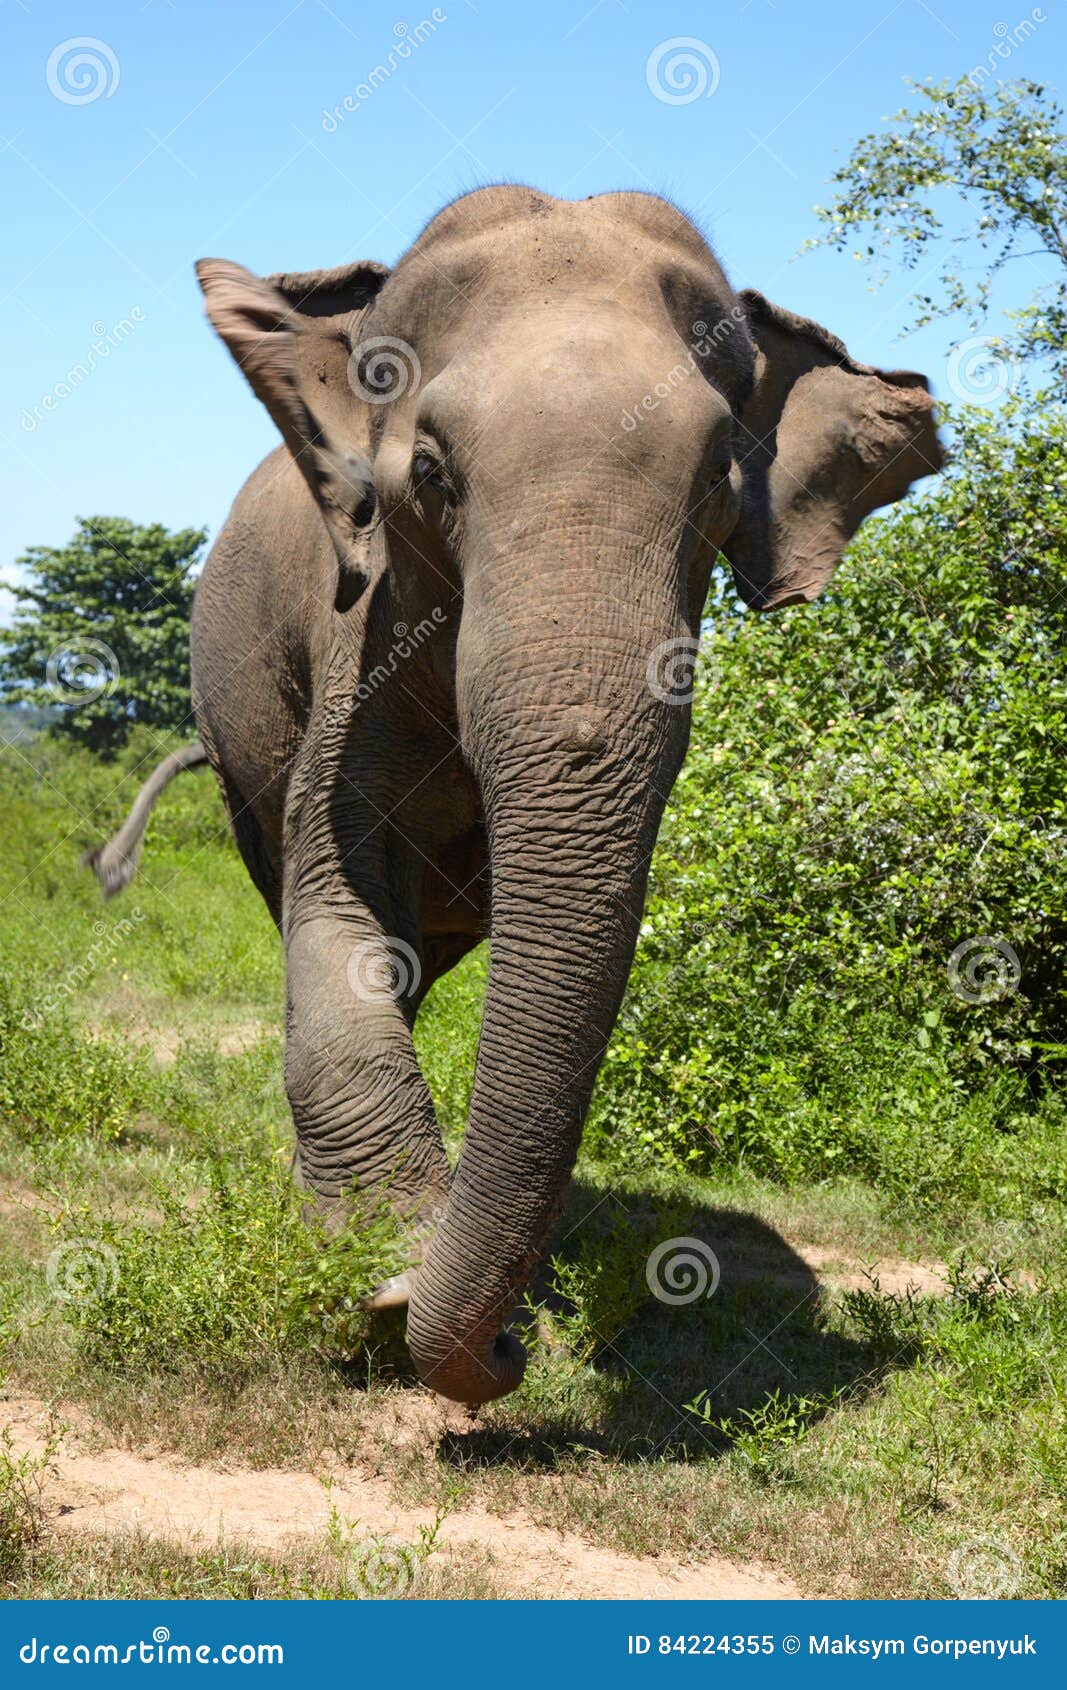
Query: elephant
[[441, 660]]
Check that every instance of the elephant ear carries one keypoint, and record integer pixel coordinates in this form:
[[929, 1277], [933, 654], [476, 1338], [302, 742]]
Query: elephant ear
[[292, 335], [824, 441]]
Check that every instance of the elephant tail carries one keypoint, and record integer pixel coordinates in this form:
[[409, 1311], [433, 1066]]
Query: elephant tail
[[115, 861]]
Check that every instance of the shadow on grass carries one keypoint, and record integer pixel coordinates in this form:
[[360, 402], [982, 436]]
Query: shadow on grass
[[747, 1318]]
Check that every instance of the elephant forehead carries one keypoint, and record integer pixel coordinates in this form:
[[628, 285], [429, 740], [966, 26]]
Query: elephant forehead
[[493, 211], [630, 247]]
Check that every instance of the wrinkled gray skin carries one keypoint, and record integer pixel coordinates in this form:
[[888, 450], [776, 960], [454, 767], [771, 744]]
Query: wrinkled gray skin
[[406, 709]]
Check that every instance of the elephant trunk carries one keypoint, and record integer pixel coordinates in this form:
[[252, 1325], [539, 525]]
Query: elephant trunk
[[573, 798]]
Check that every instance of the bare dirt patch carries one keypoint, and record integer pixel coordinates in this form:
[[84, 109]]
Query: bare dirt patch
[[17, 1198], [926, 1279], [744, 1263], [112, 1492], [152, 1026], [23, 1215], [231, 1039]]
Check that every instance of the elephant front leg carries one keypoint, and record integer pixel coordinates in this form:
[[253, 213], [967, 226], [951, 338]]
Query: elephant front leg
[[363, 1115]]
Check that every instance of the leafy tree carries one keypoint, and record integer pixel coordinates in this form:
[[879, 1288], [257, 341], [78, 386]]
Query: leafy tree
[[101, 630], [1001, 152]]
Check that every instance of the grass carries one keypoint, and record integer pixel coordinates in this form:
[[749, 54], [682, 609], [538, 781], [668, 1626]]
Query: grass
[[157, 1278], [137, 1566], [22, 1511]]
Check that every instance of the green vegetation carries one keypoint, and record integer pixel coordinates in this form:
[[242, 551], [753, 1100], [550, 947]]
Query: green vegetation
[[796, 1085], [140, 1567], [235, 1279], [100, 635], [22, 1512], [869, 788]]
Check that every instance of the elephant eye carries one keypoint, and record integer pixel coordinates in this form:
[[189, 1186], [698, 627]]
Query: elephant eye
[[427, 471], [720, 467]]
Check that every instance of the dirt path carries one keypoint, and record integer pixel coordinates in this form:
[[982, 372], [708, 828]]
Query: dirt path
[[927, 1279], [111, 1492]]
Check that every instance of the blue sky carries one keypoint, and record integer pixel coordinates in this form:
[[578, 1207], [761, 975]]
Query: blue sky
[[210, 135]]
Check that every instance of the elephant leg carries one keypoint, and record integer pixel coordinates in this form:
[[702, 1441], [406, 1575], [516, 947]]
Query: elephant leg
[[363, 1115], [260, 857]]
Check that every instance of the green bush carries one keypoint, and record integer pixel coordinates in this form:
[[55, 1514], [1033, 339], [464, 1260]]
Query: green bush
[[22, 1512], [223, 1277], [872, 783], [58, 1081]]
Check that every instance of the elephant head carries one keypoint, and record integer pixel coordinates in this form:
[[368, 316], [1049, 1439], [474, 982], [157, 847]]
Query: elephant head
[[566, 413]]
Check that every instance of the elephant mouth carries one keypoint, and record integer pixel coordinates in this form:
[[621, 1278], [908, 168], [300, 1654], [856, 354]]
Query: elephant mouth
[[775, 598]]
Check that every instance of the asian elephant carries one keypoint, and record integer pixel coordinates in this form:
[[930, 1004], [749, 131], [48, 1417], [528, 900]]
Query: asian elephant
[[441, 653]]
